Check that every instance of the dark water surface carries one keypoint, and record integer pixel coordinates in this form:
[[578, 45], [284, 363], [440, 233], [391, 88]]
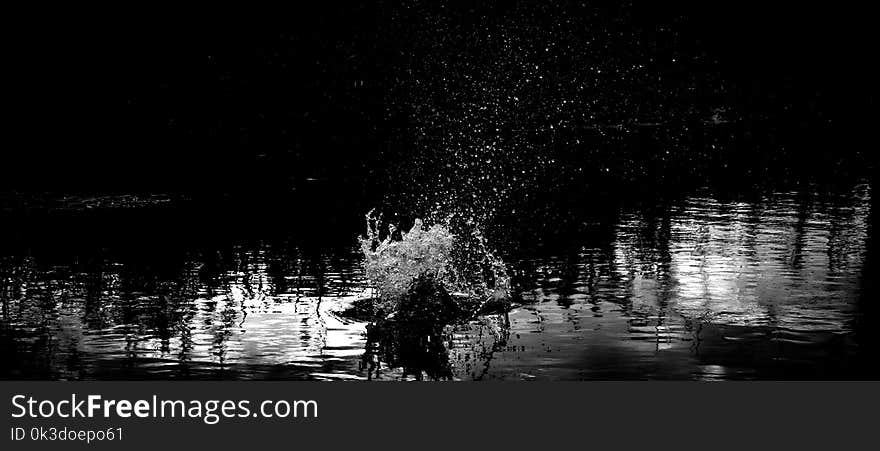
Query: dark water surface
[[701, 287]]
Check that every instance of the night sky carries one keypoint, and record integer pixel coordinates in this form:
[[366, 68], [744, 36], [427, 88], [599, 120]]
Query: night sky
[[221, 101]]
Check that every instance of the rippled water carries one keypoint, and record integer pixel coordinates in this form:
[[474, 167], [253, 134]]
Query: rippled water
[[697, 288]]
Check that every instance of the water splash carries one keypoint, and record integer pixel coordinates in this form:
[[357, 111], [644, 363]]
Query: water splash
[[461, 263]]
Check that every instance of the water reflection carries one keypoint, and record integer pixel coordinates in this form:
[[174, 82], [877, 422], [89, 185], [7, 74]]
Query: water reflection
[[697, 288], [246, 312], [704, 289]]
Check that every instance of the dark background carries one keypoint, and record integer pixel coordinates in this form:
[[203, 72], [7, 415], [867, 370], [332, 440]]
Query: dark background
[[160, 99], [307, 102]]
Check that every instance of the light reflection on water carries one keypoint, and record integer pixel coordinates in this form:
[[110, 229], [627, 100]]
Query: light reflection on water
[[703, 290], [697, 289], [107, 323]]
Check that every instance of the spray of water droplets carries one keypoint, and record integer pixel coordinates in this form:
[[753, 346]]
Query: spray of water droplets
[[496, 102]]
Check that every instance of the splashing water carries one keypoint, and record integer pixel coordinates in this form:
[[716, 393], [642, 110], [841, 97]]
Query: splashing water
[[461, 263], [498, 116]]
